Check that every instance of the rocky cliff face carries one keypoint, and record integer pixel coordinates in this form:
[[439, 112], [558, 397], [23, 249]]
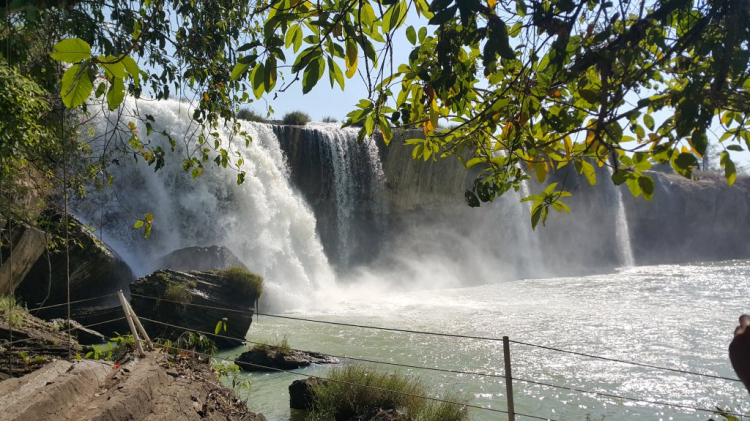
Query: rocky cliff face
[[690, 220], [200, 258], [40, 275], [420, 212]]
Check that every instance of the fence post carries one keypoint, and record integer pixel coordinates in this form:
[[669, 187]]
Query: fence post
[[129, 318], [508, 379]]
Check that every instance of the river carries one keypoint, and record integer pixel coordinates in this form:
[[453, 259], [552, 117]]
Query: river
[[676, 316]]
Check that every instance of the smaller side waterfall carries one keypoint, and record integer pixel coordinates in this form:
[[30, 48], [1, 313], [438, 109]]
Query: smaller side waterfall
[[623, 233], [358, 179]]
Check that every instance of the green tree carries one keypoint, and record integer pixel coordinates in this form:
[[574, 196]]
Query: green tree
[[530, 86]]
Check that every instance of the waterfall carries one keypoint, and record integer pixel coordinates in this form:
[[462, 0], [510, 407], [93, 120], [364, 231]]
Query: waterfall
[[264, 221], [528, 239], [358, 181], [623, 233]]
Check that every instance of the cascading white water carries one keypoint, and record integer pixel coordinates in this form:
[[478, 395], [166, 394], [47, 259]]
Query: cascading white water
[[358, 178], [623, 233], [263, 221], [528, 238]]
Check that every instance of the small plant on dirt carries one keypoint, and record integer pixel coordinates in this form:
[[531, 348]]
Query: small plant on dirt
[[246, 285], [193, 341], [117, 346], [296, 118], [341, 398], [12, 310], [231, 371]]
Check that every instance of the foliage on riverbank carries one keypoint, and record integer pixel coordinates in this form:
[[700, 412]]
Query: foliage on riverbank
[[342, 398]]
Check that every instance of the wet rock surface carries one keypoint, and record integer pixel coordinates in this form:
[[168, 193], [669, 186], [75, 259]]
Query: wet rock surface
[[269, 358]]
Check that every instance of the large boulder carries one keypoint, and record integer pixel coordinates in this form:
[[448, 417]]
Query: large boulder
[[271, 358], [95, 270], [194, 301], [200, 258]]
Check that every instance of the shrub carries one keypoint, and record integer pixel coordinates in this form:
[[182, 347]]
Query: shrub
[[245, 284], [297, 118], [12, 310], [178, 292], [338, 399], [329, 119], [281, 347], [250, 115]]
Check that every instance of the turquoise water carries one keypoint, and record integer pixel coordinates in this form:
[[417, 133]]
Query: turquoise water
[[679, 316]]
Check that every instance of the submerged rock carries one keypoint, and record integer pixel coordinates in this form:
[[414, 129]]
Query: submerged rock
[[200, 258], [268, 358], [195, 301]]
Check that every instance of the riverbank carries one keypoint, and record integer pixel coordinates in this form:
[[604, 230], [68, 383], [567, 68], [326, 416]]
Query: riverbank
[[158, 386]]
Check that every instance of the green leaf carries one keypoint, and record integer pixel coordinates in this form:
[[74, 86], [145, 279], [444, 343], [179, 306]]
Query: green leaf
[[472, 199], [258, 77], [100, 89], [239, 69], [138, 223], [132, 68], [351, 58], [587, 170], [699, 140], [217, 329], [71, 50], [335, 73], [411, 35], [393, 17], [270, 75], [648, 121], [76, 86], [116, 94], [590, 95], [444, 16], [312, 74], [730, 171], [536, 214], [646, 184]]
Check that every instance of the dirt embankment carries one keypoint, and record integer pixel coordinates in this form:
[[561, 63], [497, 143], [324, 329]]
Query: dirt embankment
[[158, 386]]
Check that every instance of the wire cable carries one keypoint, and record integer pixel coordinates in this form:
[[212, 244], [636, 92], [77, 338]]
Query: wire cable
[[72, 302], [609, 395], [656, 367]]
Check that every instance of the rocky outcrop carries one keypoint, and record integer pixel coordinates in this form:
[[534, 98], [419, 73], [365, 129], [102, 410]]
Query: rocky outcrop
[[270, 358], [194, 300], [200, 258], [28, 245], [301, 393], [95, 270], [157, 387]]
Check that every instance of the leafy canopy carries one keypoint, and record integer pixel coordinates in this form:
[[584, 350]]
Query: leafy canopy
[[530, 85]]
